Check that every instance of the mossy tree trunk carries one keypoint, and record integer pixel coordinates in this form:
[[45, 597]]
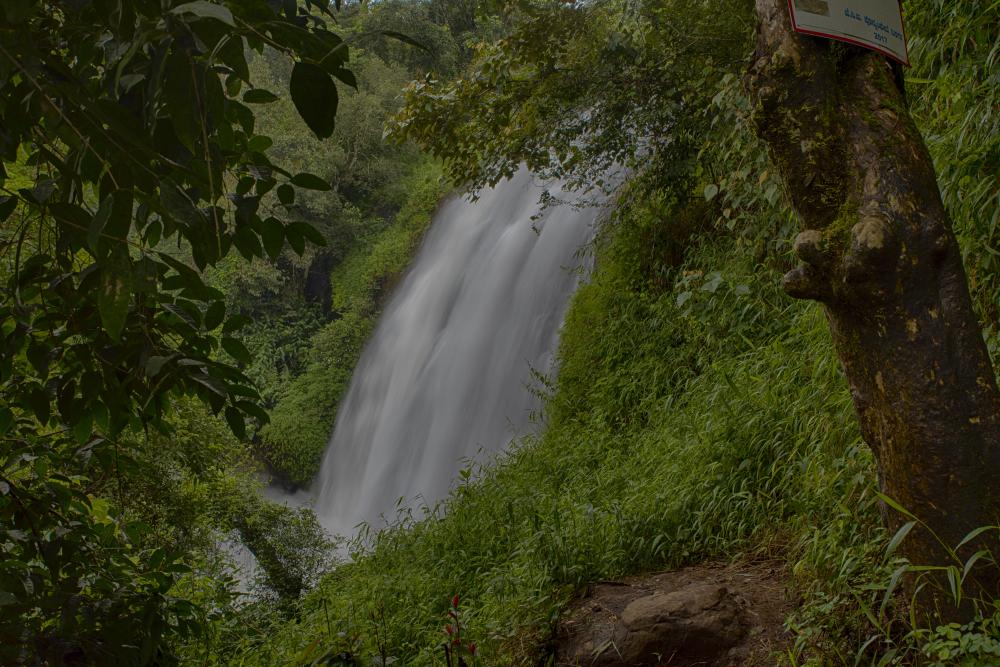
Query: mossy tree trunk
[[877, 250]]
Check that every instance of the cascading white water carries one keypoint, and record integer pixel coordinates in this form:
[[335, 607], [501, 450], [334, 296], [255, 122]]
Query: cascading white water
[[445, 374]]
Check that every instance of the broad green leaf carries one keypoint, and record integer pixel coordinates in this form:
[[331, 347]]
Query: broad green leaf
[[116, 294], [98, 222], [210, 382], [7, 206], [286, 194], [309, 232], [38, 357], [315, 97], [38, 403], [179, 98], [235, 323], [406, 39], [259, 96], [272, 233], [347, 76], [215, 314], [247, 242], [711, 190], [232, 54], [311, 182], [259, 143], [236, 350], [155, 364], [236, 422], [205, 9], [254, 410], [179, 206], [295, 239], [83, 429]]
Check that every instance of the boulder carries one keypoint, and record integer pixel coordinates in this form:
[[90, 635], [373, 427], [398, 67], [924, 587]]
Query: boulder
[[696, 624]]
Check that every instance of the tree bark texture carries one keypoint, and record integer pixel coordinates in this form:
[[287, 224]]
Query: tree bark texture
[[877, 249]]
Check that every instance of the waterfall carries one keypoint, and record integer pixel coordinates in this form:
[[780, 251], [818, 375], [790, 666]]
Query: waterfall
[[445, 373]]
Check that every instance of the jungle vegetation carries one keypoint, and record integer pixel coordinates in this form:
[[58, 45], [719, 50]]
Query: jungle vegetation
[[204, 204]]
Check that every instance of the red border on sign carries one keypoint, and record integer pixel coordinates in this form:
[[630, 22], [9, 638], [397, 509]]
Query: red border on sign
[[841, 38]]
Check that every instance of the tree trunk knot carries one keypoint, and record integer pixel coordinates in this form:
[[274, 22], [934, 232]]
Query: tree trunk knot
[[810, 280], [874, 250]]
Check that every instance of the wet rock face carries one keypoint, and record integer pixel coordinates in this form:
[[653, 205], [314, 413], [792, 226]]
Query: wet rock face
[[699, 623]]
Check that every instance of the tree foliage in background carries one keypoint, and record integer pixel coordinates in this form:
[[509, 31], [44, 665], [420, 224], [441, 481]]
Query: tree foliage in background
[[135, 122], [572, 89]]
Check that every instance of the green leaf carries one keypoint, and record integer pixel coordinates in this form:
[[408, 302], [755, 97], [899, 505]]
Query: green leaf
[[155, 364], [7, 206], [83, 429], [973, 535], [235, 420], [179, 206], [309, 232], [259, 96], [259, 143], [272, 233], [235, 323], [116, 293], [215, 314], [209, 382], [315, 97], [231, 53], [982, 553], [38, 402], [893, 583], [247, 242], [286, 194], [204, 9], [236, 350], [295, 239], [98, 222], [310, 182], [178, 95], [38, 357], [347, 76], [899, 537], [711, 190], [254, 410], [6, 420], [895, 505], [406, 39]]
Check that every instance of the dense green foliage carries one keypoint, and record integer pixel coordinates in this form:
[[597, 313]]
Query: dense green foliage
[[182, 259], [698, 413], [155, 198], [131, 123]]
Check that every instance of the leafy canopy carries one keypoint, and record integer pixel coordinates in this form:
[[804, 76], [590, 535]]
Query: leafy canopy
[[130, 164]]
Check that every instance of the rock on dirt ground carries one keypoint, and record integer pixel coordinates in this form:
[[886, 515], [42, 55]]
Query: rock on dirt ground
[[718, 615]]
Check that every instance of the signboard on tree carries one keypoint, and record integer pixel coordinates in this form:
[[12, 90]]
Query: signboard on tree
[[873, 24]]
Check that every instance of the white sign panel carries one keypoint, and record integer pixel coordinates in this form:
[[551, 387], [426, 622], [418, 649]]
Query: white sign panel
[[873, 24]]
